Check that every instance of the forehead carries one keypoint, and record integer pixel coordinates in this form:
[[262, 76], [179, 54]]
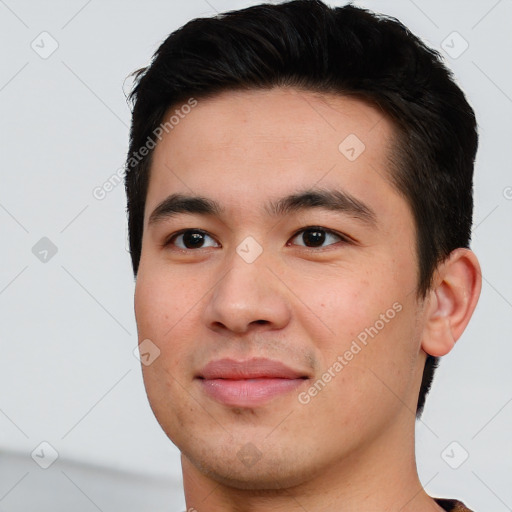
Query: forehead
[[239, 146]]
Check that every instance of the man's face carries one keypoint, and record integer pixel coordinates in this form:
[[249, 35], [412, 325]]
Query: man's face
[[328, 291]]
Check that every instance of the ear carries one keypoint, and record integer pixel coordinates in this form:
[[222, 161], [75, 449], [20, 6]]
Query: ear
[[451, 301]]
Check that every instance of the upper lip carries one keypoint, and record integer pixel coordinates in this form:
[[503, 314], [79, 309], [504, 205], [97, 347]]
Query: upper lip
[[248, 369]]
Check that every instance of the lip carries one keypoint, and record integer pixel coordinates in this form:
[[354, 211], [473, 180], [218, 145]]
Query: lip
[[248, 383]]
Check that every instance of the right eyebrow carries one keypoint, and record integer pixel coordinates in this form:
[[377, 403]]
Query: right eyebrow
[[180, 203]]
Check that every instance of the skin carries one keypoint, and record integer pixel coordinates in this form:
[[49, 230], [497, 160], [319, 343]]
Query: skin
[[352, 446]]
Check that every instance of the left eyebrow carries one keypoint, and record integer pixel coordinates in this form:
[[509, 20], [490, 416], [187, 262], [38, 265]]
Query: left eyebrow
[[334, 200], [327, 199]]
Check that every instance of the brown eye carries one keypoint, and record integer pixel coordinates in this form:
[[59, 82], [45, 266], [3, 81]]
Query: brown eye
[[192, 239], [313, 238], [316, 237]]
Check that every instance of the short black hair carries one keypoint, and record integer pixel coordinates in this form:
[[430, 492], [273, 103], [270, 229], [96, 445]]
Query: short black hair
[[346, 50]]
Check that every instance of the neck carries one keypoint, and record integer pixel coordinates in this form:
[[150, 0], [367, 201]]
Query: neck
[[380, 476]]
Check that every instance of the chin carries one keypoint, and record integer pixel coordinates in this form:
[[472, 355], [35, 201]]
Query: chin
[[264, 475], [247, 461]]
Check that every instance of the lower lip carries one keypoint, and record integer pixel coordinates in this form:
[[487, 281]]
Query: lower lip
[[248, 392]]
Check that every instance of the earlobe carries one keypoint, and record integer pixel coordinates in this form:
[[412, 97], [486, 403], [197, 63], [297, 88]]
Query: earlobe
[[451, 302]]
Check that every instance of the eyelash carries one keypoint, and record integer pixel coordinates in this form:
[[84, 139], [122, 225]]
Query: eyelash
[[343, 238]]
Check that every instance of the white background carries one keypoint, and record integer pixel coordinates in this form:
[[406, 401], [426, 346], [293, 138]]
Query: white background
[[67, 372]]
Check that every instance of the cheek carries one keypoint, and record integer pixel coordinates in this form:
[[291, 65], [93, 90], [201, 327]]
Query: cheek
[[369, 320], [152, 306], [162, 299], [165, 309], [344, 303]]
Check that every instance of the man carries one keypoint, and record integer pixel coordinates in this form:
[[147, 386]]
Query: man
[[299, 186]]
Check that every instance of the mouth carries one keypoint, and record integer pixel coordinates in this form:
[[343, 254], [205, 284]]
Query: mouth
[[248, 383]]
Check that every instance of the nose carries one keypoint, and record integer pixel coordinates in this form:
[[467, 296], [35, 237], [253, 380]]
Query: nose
[[248, 296]]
